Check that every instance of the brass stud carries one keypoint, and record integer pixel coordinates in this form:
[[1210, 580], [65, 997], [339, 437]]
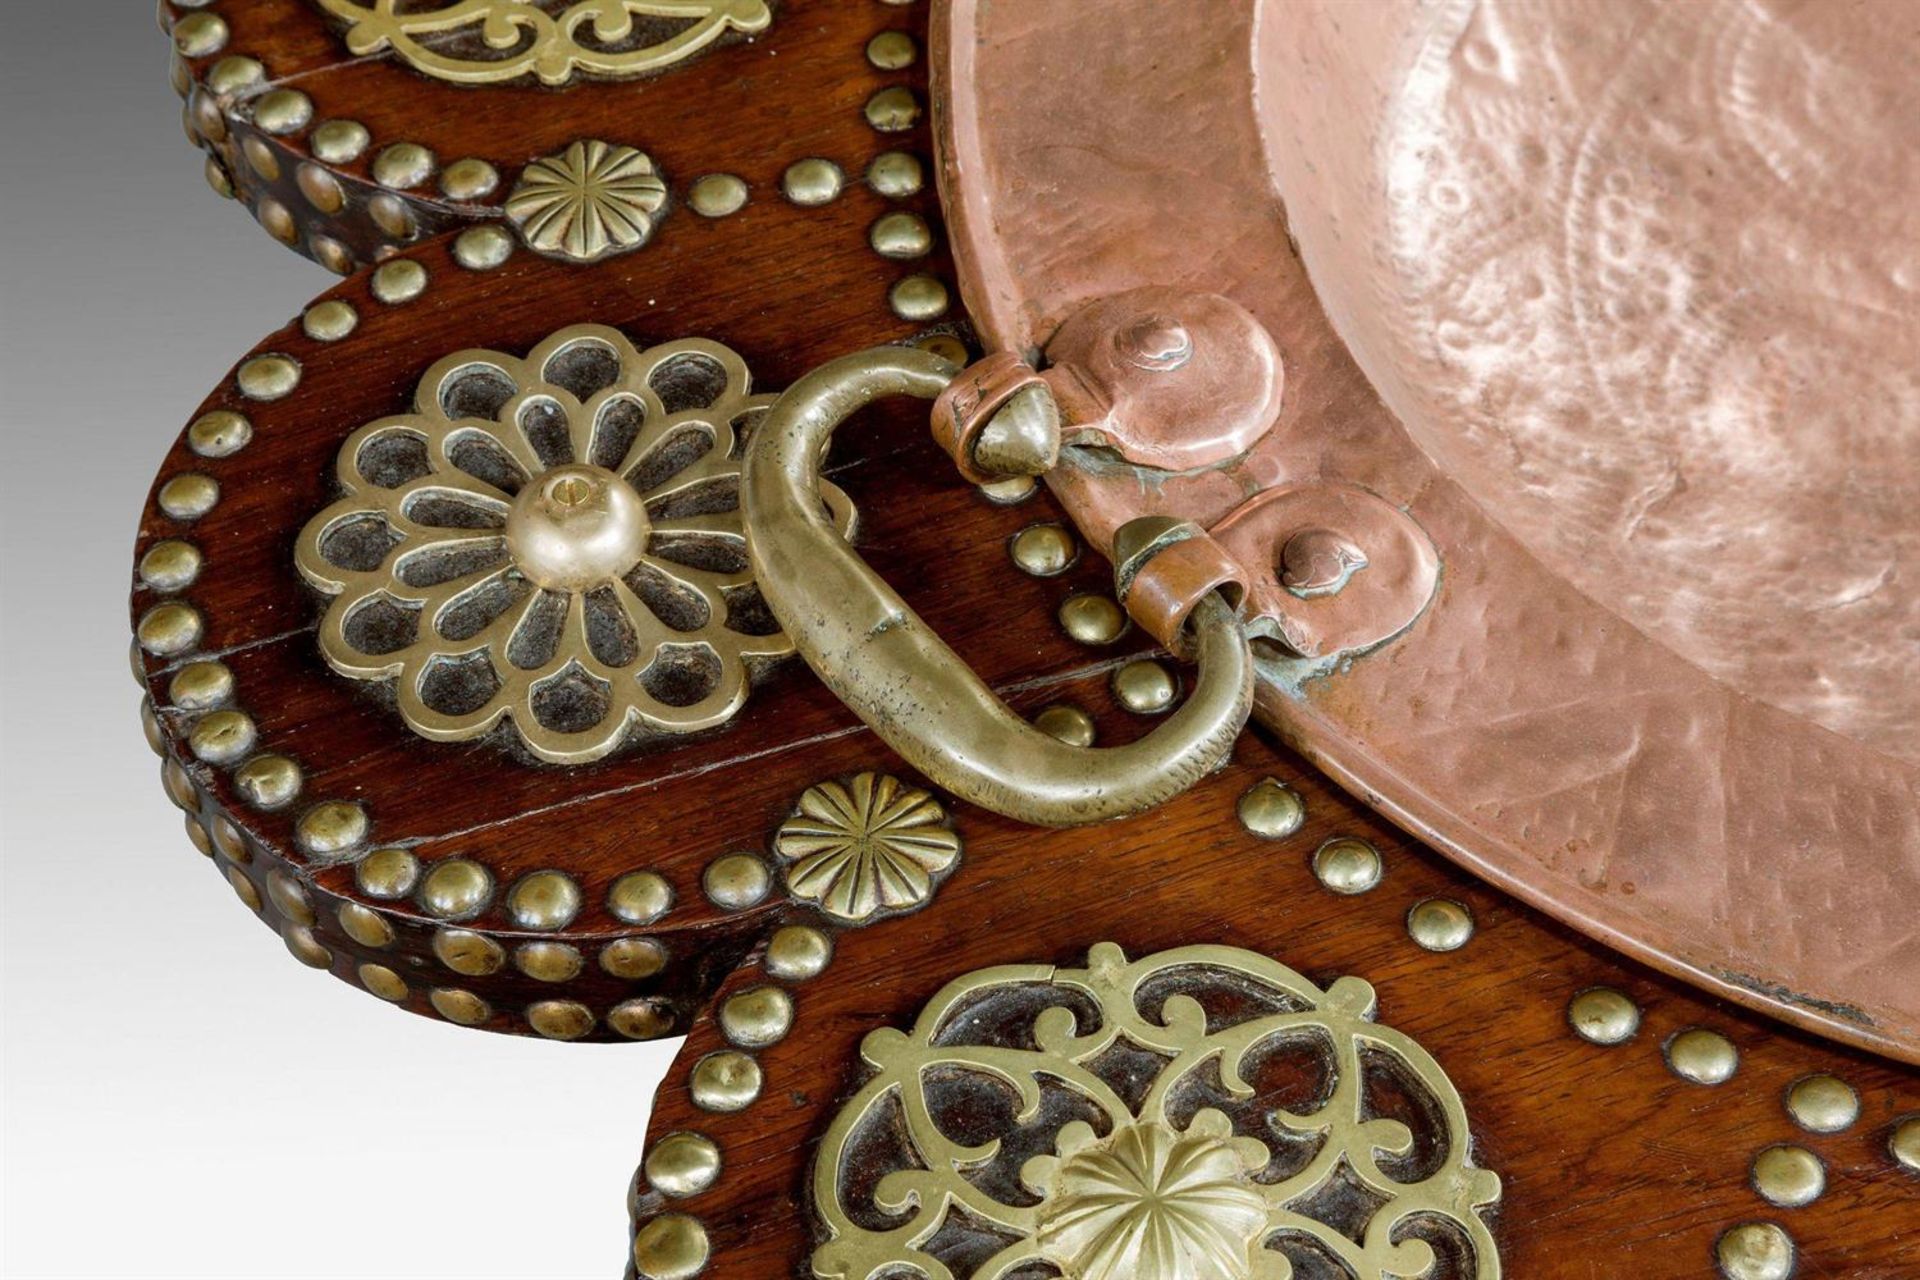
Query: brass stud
[[1603, 1016], [329, 321], [219, 434], [268, 377], [197, 835], [546, 901], [402, 165], [918, 298], [1146, 686], [1788, 1176], [268, 782], [243, 888], [340, 141], [261, 158], [277, 220], [892, 51], [560, 1019], [1014, 489], [456, 889], [1271, 809], [189, 496], [482, 248], [717, 195], [812, 182], [548, 961], [640, 897], [321, 188], [469, 179], [233, 74], [199, 35], [645, 1018], [283, 111], [289, 898], [1440, 924], [218, 178], [167, 629], [391, 214], [672, 1246], [893, 110], [633, 958], [1904, 1144], [757, 1018], [682, 1164], [896, 175], [1702, 1056], [331, 827], [383, 982], [1044, 550], [305, 948], [1823, 1104], [331, 254], [229, 843], [1755, 1251], [473, 954], [736, 881], [797, 952], [365, 926], [725, 1081], [901, 235], [387, 873], [463, 1007], [954, 352], [179, 74], [398, 281], [1092, 619], [170, 565], [178, 784], [1348, 865], [222, 737], [205, 117], [1067, 723], [150, 725]]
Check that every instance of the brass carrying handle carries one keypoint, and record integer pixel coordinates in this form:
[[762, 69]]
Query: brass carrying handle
[[911, 689]]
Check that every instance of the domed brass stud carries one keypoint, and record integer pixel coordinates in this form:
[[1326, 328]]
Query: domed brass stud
[[560, 1019], [548, 961], [330, 321], [268, 782], [469, 179], [1440, 924], [332, 255], [1043, 550], [1066, 722], [197, 835], [901, 236], [199, 686], [283, 111], [1146, 687], [233, 74], [168, 629], [757, 1018], [682, 1164], [892, 51], [243, 888], [920, 298], [1823, 1104], [1092, 619], [392, 215], [472, 954], [219, 434], [797, 952], [261, 158], [1788, 1176], [189, 496], [150, 725], [367, 927], [717, 195], [812, 182], [725, 1081], [633, 958], [383, 982], [229, 843], [546, 901], [205, 119], [736, 881], [1603, 1016], [1347, 865], [268, 377], [321, 189], [179, 785], [482, 248], [278, 221], [1271, 809], [340, 141], [456, 889], [1012, 491], [222, 737], [200, 35], [1755, 1251], [640, 897], [289, 898], [332, 827], [403, 165], [387, 873], [1904, 1144], [645, 1018], [459, 1006], [893, 110], [1702, 1056], [672, 1246], [398, 281], [170, 565], [305, 948], [896, 174]]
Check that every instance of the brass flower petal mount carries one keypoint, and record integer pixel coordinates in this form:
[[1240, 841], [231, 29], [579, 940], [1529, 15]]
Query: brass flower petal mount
[[868, 847], [593, 200]]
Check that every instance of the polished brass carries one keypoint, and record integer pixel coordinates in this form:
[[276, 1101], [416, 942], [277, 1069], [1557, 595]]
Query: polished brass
[[717, 195], [1755, 1251], [1702, 1056], [868, 847], [1823, 1104], [1271, 809], [914, 691], [1348, 865], [1601, 1015], [589, 202]]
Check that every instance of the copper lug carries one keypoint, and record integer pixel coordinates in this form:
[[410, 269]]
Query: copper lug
[[1164, 568]]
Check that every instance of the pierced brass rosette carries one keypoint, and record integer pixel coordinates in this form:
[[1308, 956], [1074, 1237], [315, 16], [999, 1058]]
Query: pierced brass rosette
[[553, 543]]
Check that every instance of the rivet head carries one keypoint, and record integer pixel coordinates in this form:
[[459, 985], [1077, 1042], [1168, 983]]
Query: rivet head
[[229, 842], [920, 298], [1603, 1016], [365, 926], [170, 628], [403, 165], [340, 141], [398, 281], [197, 835], [560, 1019], [1755, 1251], [305, 948], [282, 111], [640, 897], [1146, 687], [470, 954], [469, 179], [199, 686], [333, 827], [234, 73], [456, 889], [170, 565], [198, 35], [633, 958], [1788, 1176], [222, 737], [901, 236], [1271, 809], [736, 881], [387, 873], [1156, 343], [289, 898], [811, 182], [577, 527], [893, 110], [482, 248], [268, 782], [1067, 723], [268, 377], [219, 434], [682, 1164], [1823, 1104], [1440, 924], [725, 1081], [1043, 550], [321, 188], [1702, 1056], [892, 51], [329, 321], [1347, 865], [645, 1018], [459, 1006], [757, 1018], [545, 900], [383, 982], [190, 496], [672, 1246], [548, 961], [1904, 1144], [1093, 619], [717, 195], [896, 174], [797, 952], [1319, 562], [243, 888]]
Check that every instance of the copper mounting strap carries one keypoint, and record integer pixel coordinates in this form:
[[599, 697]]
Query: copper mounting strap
[[1164, 568], [964, 409]]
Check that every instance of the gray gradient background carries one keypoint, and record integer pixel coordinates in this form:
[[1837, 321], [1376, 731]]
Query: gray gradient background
[[181, 1097]]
